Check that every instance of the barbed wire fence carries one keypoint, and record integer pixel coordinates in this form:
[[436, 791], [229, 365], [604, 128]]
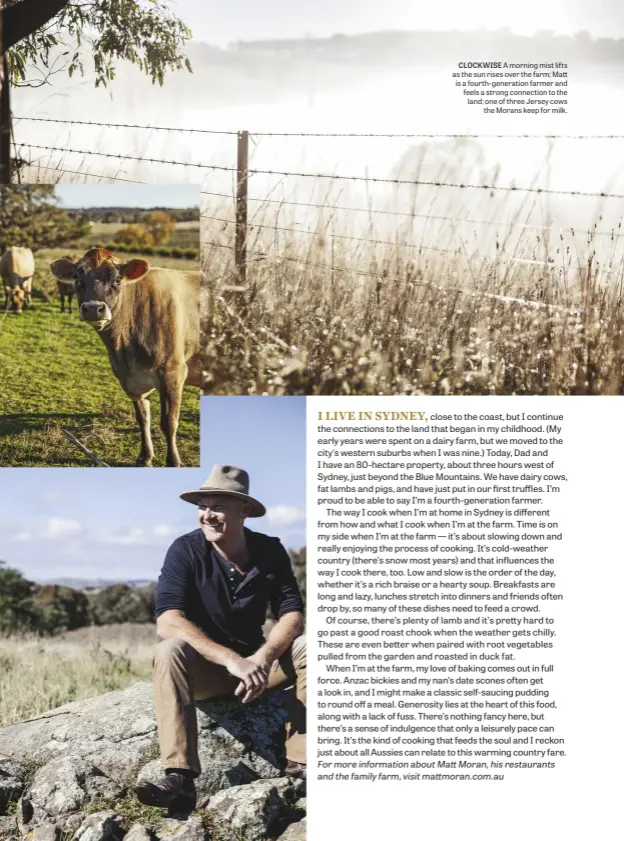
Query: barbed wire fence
[[242, 172], [409, 136]]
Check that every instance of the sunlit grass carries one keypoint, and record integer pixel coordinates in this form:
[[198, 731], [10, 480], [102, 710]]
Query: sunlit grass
[[414, 305]]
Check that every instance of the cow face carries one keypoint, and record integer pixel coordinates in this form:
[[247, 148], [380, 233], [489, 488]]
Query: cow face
[[98, 279], [16, 296]]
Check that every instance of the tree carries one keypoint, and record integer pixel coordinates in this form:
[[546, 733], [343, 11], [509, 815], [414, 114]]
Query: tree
[[148, 592], [30, 217], [61, 608], [134, 235], [18, 612], [118, 603], [26, 607], [161, 226], [49, 36]]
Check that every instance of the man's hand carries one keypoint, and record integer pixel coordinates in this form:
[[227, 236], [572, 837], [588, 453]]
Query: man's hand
[[263, 658], [253, 676]]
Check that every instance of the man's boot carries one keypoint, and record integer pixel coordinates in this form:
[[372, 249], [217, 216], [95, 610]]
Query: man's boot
[[175, 792]]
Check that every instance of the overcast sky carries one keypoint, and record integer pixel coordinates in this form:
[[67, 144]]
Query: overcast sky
[[118, 523], [222, 23], [128, 195]]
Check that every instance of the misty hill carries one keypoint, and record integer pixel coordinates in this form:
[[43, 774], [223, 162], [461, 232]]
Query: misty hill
[[267, 72], [426, 48]]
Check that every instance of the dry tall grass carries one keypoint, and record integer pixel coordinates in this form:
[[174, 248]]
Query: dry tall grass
[[37, 674], [408, 303]]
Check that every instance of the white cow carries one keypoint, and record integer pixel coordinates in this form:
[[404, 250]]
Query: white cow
[[17, 267]]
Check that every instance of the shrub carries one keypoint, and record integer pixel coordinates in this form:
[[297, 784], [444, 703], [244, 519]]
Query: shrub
[[134, 235], [160, 226], [118, 603], [61, 608], [147, 593]]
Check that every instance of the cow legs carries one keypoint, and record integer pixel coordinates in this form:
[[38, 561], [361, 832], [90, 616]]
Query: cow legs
[[70, 298], [142, 412], [62, 301], [171, 386], [28, 294]]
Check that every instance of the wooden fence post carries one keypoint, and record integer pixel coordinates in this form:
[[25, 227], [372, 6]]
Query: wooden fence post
[[242, 178], [5, 116]]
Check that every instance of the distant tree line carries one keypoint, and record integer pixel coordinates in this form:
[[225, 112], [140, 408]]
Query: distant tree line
[[148, 250], [435, 47], [133, 215], [27, 607]]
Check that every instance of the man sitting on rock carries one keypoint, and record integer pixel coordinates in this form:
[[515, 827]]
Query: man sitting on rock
[[213, 593]]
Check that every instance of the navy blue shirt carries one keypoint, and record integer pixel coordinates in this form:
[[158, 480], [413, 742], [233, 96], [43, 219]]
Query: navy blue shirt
[[194, 580]]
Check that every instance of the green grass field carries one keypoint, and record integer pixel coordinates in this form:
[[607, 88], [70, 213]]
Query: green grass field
[[55, 374]]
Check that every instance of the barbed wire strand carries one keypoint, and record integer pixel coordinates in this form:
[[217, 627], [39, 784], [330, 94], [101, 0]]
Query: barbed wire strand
[[507, 299], [318, 134], [125, 125], [383, 242], [375, 212], [459, 136], [366, 179], [512, 188], [475, 294], [34, 165], [218, 244], [248, 330], [128, 157]]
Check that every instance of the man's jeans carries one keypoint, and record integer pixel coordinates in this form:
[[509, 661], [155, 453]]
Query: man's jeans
[[181, 676]]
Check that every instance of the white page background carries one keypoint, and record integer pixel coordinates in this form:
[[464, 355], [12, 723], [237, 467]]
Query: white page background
[[580, 798]]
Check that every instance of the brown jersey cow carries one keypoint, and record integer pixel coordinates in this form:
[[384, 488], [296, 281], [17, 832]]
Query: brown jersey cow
[[148, 319], [65, 285]]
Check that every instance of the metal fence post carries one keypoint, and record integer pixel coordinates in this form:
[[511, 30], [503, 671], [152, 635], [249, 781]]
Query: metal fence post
[[242, 178]]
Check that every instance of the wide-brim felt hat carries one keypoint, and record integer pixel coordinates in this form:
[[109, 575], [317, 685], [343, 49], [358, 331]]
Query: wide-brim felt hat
[[226, 480]]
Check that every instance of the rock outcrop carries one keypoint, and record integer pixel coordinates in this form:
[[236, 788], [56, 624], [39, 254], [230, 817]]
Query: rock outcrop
[[254, 811], [70, 772]]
